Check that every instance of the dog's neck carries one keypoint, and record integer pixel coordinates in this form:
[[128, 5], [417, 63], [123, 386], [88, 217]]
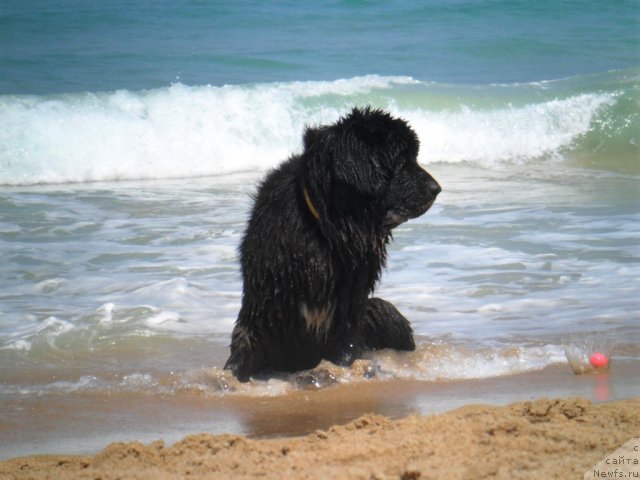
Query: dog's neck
[[310, 205]]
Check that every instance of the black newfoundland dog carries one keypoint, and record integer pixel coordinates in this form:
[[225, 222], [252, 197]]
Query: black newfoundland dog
[[316, 243]]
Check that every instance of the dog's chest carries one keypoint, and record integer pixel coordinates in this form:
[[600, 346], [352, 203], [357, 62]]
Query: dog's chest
[[318, 320]]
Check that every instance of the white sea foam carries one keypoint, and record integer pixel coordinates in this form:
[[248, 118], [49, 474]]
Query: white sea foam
[[443, 361], [83, 384], [513, 134], [184, 131], [437, 361]]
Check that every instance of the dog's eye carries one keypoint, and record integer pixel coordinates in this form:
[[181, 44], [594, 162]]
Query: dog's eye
[[400, 164]]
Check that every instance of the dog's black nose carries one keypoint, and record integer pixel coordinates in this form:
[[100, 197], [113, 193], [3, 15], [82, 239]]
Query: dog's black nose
[[434, 188]]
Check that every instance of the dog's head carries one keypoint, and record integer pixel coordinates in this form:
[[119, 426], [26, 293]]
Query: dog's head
[[367, 163]]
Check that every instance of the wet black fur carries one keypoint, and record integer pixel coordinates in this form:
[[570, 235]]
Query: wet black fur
[[363, 179]]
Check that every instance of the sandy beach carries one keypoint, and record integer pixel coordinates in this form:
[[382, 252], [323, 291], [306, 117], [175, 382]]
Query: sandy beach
[[134, 137], [544, 438]]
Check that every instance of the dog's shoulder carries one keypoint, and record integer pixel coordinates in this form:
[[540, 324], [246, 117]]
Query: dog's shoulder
[[280, 183], [277, 211], [275, 192]]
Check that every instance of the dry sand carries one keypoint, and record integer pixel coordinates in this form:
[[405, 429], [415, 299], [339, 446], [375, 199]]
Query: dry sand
[[540, 439]]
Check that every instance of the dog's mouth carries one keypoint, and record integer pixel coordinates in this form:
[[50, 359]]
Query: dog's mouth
[[427, 206], [393, 218]]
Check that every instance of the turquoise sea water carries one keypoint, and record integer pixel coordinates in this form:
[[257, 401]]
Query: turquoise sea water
[[70, 46], [132, 136]]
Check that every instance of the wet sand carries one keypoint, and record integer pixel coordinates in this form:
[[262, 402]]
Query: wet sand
[[366, 429], [560, 438], [84, 422]]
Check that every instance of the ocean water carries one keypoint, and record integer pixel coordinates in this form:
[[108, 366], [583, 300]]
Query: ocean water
[[132, 137], [89, 46]]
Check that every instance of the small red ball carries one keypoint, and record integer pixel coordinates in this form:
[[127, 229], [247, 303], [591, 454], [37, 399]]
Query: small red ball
[[598, 360]]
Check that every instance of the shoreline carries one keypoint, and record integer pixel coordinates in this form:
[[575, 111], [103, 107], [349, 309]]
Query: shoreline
[[543, 438], [82, 423]]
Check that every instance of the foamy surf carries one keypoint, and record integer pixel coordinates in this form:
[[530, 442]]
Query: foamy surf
[[431, 362], [193, 131], [437, 361]]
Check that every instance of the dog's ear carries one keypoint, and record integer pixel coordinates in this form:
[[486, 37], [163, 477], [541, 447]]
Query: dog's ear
[[367, 148]]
